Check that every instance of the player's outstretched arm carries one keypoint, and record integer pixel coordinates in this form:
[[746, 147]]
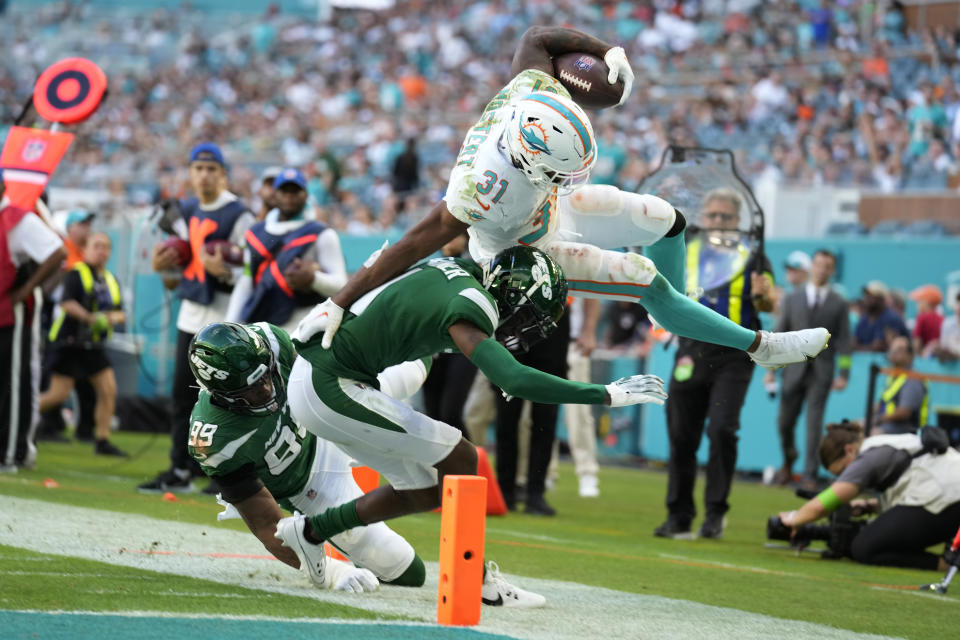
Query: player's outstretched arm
[[429, 235], [521, 381], [262, 513], [434, 231]]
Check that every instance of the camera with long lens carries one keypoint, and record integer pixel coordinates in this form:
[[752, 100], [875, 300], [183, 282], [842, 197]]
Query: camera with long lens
[[838, 533]]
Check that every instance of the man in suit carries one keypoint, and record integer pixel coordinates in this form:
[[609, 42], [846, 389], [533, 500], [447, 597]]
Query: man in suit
[[812, 305]]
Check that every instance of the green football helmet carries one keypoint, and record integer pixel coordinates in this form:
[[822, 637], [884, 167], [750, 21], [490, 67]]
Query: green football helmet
[[236, 366], [531, 294]]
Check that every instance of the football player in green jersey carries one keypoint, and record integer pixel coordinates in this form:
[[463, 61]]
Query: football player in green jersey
[[242, 435], [441, 304]]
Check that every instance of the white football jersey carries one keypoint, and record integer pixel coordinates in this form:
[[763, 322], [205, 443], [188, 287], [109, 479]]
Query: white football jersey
[[487, 192]]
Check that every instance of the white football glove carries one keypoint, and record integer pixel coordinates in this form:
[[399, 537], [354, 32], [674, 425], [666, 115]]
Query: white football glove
[[637, 389], [344, 576], [325, 317], [616, 61]]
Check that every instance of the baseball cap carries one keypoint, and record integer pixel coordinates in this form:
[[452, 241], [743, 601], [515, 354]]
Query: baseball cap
[[270, 173], [77, 216], [207, 152], [798, 260], [929, 293], [875, 287], [290, 176]]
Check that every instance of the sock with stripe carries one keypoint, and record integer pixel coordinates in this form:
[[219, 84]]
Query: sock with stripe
[[688, 318], [332, 521]]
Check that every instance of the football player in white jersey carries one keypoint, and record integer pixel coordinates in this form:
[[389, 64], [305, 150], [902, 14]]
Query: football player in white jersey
[[519, 178]]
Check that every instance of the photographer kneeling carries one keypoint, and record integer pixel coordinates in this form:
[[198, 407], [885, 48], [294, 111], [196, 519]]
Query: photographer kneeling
[[919, 491]]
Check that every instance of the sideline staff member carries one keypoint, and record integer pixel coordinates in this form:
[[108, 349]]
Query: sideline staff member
[[89, 309], [919, 501], [710, 381], [204, 289]]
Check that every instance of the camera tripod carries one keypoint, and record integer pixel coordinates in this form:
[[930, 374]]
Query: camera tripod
[[953, 558]]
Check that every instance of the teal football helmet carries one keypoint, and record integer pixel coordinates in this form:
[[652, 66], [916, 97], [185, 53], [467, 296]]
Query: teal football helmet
[[236, 366], [531, 295]]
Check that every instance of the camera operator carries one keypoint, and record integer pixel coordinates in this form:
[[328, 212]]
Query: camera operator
[[919, 490]]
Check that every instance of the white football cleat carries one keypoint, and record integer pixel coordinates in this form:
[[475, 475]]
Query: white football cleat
[[589, 486], [780, 349], [497, 592], [312, 556]]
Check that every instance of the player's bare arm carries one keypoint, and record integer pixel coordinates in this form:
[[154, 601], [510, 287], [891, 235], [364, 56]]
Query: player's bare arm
[[434, 231], [262, 513], [467, 336], [539, 45]]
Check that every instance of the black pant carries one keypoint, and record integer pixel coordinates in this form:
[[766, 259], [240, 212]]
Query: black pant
[[715, 389], [549, 356], [815, 392], [899, 537], [185, 392], [446, 388], [17, 392], [51, 421]]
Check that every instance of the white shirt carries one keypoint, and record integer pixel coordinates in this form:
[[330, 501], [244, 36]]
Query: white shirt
[[950, 335], [194, 316], [815, 293], [32, 239]]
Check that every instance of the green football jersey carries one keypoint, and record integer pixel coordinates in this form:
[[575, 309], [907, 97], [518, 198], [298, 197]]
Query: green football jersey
[[406, 319], [281, 452]]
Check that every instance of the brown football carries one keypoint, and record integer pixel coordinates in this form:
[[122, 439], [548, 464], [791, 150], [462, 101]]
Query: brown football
[[585, 77]]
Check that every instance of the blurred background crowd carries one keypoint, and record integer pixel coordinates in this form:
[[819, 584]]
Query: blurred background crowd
[[806, 92]]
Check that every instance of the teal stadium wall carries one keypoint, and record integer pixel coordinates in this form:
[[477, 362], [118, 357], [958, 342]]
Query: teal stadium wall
[[899, 262]]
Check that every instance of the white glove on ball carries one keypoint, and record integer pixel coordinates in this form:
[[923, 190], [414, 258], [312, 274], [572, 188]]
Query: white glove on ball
[[616, 61], [637, 389], [325, 317]]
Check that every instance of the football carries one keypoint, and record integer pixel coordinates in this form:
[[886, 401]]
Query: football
[[585, 77], [182, 247], [232, 254]]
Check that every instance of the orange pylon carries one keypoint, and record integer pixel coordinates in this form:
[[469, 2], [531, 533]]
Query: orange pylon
[[462, 528]]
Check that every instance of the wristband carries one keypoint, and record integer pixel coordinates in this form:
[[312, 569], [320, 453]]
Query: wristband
[[829, 499]]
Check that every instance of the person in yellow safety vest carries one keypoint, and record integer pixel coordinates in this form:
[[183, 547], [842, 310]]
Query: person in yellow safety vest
[[88, 310], [905, 402], [709, 382]]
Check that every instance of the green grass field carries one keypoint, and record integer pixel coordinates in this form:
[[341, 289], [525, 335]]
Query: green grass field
[[605, 542]]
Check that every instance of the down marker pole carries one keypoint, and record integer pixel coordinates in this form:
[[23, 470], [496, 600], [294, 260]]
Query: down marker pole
[[462, 528]]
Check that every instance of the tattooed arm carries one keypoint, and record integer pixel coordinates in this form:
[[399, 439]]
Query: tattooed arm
[[539, 44]]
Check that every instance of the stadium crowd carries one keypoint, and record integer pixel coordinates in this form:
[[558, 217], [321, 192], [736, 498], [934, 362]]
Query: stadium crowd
[[806, 92]]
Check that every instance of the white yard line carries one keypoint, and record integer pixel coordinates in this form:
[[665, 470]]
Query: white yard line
[[574, 611]]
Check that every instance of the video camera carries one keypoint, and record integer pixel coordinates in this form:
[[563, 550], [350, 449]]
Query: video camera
[[838, 533]]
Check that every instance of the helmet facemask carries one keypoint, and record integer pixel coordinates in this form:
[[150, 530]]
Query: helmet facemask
[[530, 292], [237, 367]]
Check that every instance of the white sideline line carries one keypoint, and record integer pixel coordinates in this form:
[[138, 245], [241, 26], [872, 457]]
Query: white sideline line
[[573, 612]]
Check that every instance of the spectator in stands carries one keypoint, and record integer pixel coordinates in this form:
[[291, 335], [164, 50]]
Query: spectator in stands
[[291, 263], [926, 330], [90, 307], [905, 401], [878, 324], [266, 191], [204, 289], [812, 305], [406, 169], [947, 348], [30, 254]]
